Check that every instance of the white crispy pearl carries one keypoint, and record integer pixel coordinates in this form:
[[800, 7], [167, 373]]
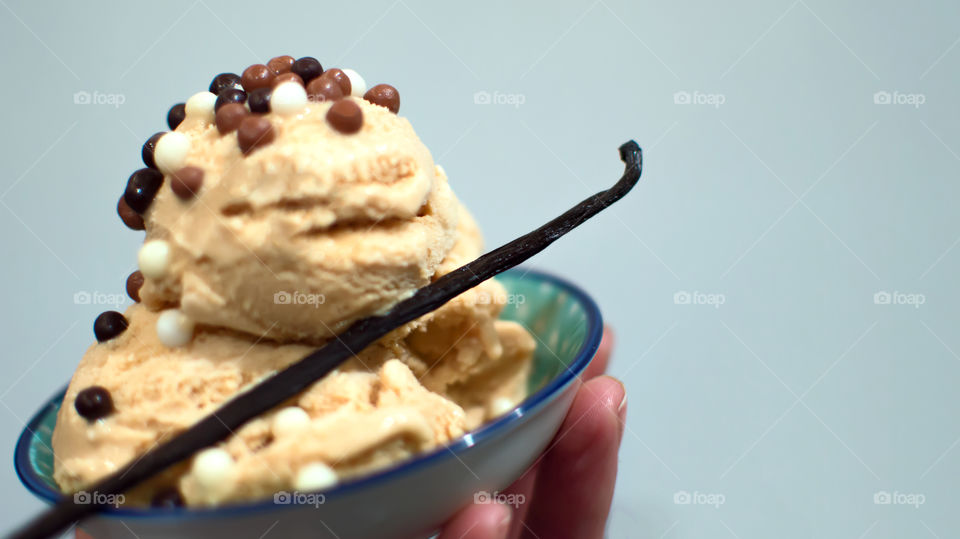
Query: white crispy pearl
[[288, 98], [171, 152], [500, 406], [289, 420], [212, 467], [200, 105], [154, 259], [174, 328], [358, 86], [313, 477]]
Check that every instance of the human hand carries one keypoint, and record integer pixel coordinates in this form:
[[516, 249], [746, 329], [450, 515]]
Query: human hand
[[568, 490]]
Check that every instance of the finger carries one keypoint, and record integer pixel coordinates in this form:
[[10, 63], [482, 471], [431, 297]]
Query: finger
[[599, 364], [479, 521], [577, 474], [521, 491]]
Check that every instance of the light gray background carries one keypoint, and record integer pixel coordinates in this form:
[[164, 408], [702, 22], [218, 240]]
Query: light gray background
[[794, 201]]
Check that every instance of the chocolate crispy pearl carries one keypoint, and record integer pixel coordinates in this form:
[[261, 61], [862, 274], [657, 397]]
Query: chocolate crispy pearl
[[345, 116], [308, 68], [385, 96], [134, 282], [149, 147], [259, 100], [284, 77], [167, 498], [281, 64], [176, 115], [256, 76], [223, 81], [230, 95], [324, 89], [141, 188], [93, 403], [186, 182], [340, 77], [229, 117], [132, 219], [254, 132], [108, 325]]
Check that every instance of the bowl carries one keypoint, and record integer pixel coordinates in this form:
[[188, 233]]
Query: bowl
[[410, 499]]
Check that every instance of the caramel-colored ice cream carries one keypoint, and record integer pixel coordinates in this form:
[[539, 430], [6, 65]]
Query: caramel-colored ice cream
[[262, 242]]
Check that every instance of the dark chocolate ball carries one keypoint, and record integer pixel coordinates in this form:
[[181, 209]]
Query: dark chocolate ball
[[93, 403], [108, 325]]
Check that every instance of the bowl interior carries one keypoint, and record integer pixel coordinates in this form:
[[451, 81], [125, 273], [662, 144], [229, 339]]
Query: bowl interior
[[564, 321]]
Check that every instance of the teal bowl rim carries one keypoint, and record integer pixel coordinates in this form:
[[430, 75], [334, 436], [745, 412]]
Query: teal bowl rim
[[493, 429]]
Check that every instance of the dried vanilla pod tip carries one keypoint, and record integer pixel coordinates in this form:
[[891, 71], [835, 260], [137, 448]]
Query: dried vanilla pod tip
[[108, 325], [141, 188], [176, 115], [134, 283], [225, 81], [385, 96], [93, 403], [132, 219]]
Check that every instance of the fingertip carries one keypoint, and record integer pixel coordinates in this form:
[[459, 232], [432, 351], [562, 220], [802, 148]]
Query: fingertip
[[479, 521]]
